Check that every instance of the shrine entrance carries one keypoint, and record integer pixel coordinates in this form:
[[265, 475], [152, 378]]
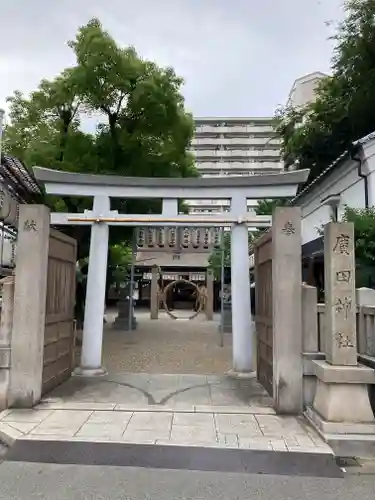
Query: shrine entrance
[[235, 189], [179, 256]]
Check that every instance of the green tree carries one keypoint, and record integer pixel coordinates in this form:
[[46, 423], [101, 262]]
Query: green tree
[[144, 129], [314, 136], [267, 207], [216, 257], [120, 259], [364, 233], [263, 207], [224, 252]]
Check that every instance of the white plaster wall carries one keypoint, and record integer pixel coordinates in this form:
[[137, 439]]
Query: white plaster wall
[[343, 181], [312, 222]]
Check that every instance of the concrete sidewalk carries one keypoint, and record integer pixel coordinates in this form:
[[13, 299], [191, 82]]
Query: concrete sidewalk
[[229, 427]]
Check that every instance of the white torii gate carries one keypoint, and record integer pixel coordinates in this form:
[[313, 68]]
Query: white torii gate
[[103, 187]]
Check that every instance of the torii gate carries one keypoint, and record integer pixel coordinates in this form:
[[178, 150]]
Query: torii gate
[[103, 187]]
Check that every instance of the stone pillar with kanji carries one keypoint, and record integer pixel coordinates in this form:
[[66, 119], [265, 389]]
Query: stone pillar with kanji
[[340, 302], [341, 400]]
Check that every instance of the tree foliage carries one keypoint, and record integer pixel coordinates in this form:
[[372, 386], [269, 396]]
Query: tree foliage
[[263, 207], [364, 234], [215, 260], [143, 130], [267, 207], [314, 136]]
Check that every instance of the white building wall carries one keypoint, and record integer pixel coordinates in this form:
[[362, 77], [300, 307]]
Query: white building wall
[[343, 181], [304, 89], [313, 221]]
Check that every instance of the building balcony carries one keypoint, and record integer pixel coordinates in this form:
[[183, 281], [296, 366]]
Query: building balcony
[[218, 168], [236, 141], [250, 129], [236, 153]]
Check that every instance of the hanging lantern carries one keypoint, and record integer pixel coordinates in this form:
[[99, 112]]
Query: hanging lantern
[[217, 237], [206, 237], [141, 237], [161, 236], [186, 237], [150, 237], [172, 237]]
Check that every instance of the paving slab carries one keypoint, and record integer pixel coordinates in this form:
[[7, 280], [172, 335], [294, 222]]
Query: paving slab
[[108, 417], [226, 430], [194, 419]]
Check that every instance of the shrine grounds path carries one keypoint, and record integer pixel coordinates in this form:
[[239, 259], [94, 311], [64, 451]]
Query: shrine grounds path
[[167, 346]]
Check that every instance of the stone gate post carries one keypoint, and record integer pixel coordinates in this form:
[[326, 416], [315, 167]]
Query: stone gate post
[[29, 306], [287, 310]]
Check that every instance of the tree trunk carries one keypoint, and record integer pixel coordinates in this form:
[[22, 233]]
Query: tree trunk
[[112, 118]]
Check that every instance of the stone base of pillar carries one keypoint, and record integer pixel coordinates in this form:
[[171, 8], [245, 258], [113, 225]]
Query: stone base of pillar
[[341, 411], [342, 394], [346, 439], [241, 375], [122, 320], [89, 372]]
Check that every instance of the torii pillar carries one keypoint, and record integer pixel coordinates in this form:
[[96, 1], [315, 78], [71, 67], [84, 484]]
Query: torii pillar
[[91, 354], [242, 327]]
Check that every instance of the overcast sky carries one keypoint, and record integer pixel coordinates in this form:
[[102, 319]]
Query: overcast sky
[[238, 57]]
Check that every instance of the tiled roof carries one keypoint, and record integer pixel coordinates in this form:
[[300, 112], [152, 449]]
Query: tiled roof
[[18, 180], [333, 165]]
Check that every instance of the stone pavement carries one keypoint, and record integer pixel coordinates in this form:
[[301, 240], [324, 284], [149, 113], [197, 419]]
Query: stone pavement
[[185, 410], [253, 428], [197, 408], [141, 390]]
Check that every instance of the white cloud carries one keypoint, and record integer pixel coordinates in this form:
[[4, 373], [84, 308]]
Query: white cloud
[[237, 58]]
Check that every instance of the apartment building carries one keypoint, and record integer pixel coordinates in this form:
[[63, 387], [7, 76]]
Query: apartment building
[[304, 88], [233, 146]]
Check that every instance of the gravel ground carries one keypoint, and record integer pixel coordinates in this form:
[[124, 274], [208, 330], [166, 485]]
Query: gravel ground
[[167, 346]]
